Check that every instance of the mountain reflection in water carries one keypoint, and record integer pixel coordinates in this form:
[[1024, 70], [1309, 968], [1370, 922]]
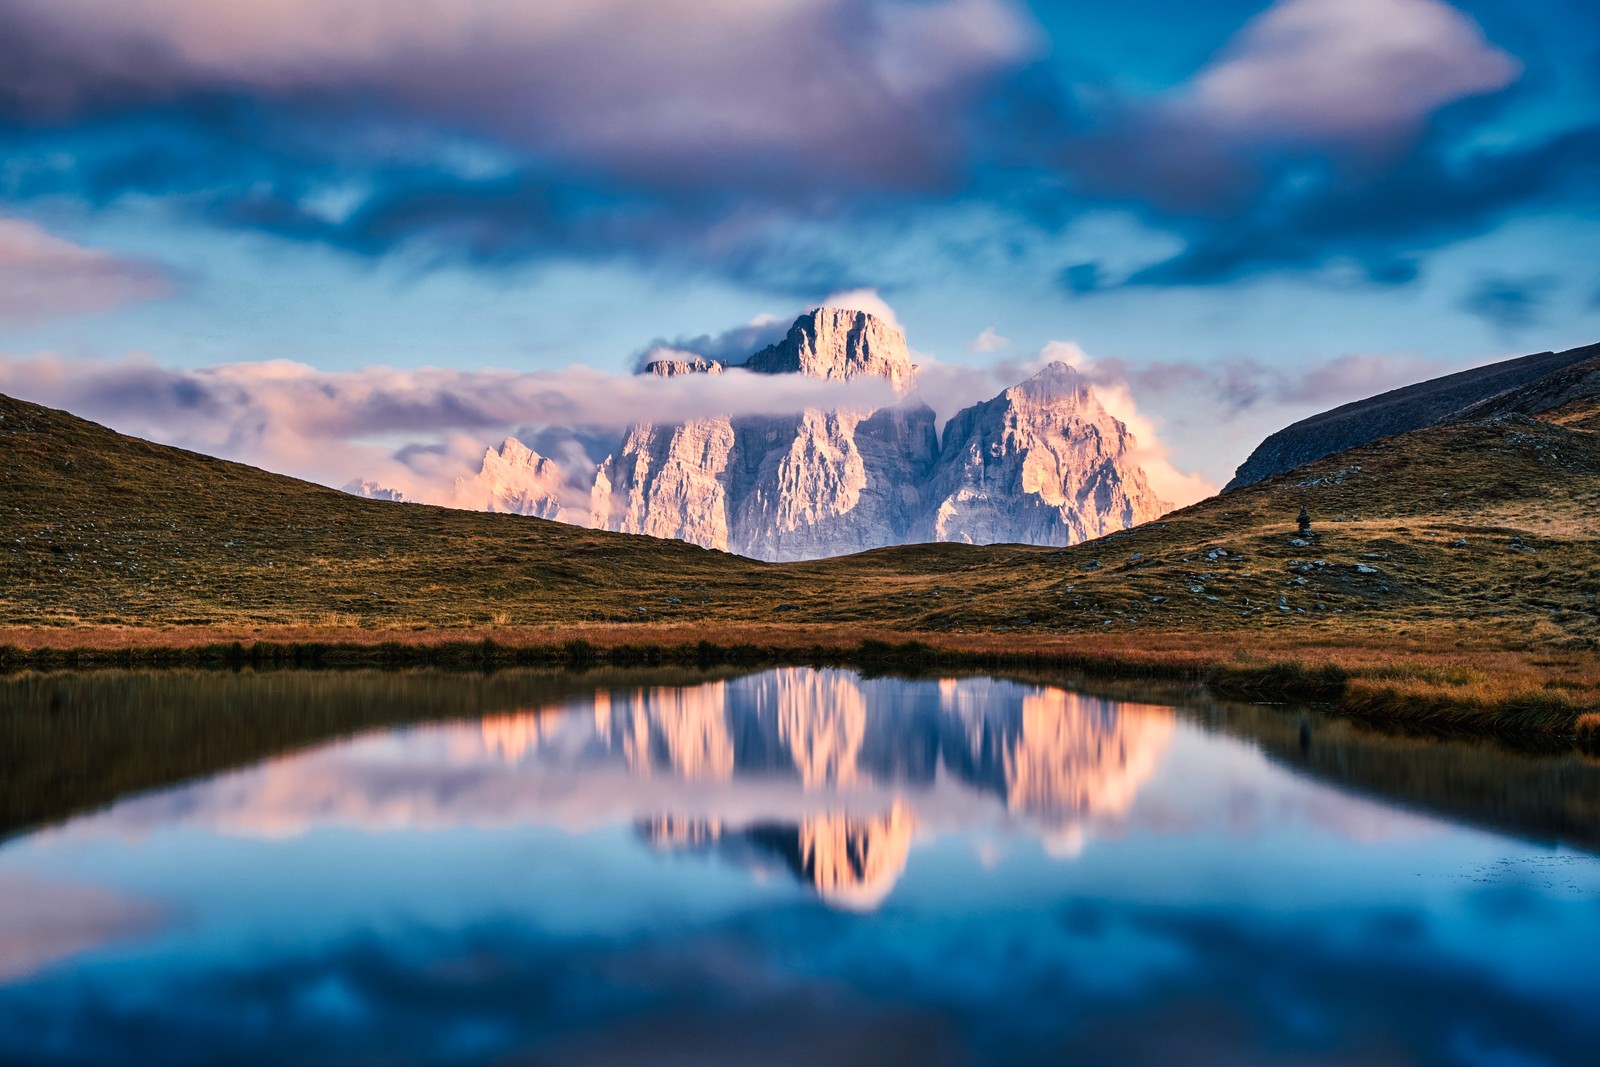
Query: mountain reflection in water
[[795, 866], [787, 764]]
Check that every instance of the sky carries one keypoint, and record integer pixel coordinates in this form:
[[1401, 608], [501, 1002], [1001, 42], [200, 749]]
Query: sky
[[344, 238]]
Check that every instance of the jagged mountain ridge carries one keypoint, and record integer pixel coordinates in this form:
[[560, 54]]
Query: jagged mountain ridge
[[1468, 394], [1042, 463]]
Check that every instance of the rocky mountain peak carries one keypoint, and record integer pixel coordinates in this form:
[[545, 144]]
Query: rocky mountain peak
[[516, 479], [837, 344], [1056, 382], [674, 364]]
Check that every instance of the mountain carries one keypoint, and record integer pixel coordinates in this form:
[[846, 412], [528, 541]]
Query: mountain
[[516, 480], [371, 490], [1398, 411], [1043, 463]]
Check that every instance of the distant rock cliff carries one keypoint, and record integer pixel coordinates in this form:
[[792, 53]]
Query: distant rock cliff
[[517, 480], [1401, 411], [1042, 463]]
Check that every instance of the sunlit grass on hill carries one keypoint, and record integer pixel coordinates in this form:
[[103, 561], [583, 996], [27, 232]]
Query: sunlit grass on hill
[[1452, 576]]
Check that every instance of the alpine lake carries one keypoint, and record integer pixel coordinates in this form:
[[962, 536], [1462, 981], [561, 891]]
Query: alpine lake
[[792, 866]]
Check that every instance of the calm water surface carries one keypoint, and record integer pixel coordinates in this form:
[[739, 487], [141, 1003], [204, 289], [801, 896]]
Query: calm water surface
[[790, 867]]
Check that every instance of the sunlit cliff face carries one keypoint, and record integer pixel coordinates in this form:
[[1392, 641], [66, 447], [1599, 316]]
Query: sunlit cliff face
[[832, 774]]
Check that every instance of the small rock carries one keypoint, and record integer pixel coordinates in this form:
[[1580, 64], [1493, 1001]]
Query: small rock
[[1366, 568], [787, 607], [1299, 543]]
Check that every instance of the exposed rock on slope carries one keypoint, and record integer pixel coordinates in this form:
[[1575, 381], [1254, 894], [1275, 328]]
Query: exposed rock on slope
[[1401, 411]]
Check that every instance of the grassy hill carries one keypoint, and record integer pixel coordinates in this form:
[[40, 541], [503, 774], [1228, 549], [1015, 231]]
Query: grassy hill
[[1456, 564]]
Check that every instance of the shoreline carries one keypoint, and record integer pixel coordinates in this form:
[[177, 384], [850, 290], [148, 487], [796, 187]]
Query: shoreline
[[1484, 689]]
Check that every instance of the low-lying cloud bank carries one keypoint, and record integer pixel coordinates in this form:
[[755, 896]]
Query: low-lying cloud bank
[[417, 431], [412, 430]]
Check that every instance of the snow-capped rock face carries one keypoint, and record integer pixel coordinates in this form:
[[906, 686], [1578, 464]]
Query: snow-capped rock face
[[373, 491], [517, 480], [1043, 463]]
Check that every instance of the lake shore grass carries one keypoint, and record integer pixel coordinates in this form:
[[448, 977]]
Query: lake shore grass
[[1478, 686]]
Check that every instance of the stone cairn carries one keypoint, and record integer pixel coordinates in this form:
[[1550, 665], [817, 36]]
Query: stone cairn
[[1305, 522]]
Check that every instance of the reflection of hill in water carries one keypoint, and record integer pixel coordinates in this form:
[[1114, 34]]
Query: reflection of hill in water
[[803, 769], [1544, 796], [71, 742]]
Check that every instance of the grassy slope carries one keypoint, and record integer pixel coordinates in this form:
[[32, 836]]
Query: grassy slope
[[104, 540]]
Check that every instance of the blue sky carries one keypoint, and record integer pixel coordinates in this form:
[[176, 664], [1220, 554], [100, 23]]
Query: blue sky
[[1241, 211]]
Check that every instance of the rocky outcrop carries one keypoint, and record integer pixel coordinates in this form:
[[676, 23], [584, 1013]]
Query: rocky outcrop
[[1043, 463], [832, 343], [1402, 410], [516, 480], [373, 491]]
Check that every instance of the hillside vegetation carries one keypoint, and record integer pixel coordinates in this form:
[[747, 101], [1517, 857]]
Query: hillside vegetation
[[1450, 568]]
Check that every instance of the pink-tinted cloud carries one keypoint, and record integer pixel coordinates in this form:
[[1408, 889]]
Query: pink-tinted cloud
[[412, 430], [687, 88], [44, 923], [1345, 71], [42, 276]]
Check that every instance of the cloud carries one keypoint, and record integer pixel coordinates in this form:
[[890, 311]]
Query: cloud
[[42, 275], [1341, 138], [1344, 72], [42, 923], [1511, 304], [988, 342], [867, 300], [729, 346], [696, 93], [411, 430]]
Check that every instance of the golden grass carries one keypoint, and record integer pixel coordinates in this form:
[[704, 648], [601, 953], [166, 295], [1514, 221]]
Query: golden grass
[[1454, 576]]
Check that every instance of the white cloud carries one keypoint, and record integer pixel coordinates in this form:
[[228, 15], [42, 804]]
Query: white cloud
[[411, 430], [988, 341], [1346, 71], [866, 300], [42, 276]]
